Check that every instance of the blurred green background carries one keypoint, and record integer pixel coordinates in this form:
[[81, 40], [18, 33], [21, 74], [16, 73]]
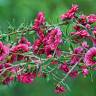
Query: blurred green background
[[17, 11]]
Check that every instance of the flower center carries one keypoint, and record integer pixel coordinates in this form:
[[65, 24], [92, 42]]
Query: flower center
[[94, 58]]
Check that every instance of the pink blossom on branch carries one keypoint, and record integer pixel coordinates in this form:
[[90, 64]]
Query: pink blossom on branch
[[70, 14], [85, 71], [40, 20], [91, 18], [20, 48], [16, 52], [26, 78], [39, 23], [59, 89], [82, 33], [64, 67]]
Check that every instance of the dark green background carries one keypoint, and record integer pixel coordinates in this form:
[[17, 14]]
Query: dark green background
[[17, 11]]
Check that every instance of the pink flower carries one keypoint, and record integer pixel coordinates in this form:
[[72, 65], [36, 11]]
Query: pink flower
[[87, 19], [81, 33], [4, 51], [64, 67], [38, 23], [91, 18], [17, 52], [85, 71], [53, 38], [90, 57], [88, 26], [59, 89], [26, 78], [24, 41], [40, 20], [78, 50], [20, 48], [70, 13], [74, 74]]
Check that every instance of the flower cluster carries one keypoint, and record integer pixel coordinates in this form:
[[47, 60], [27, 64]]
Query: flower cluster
[[52, 53], [10, 55], [46, 43]]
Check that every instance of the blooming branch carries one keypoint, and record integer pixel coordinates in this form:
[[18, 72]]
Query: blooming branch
[[57, 50]]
